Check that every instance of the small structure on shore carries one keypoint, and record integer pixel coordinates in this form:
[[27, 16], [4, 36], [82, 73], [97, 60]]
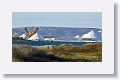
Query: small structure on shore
[[100, 31], [23, 36], [14, 35], [49, 38], [77, 37]]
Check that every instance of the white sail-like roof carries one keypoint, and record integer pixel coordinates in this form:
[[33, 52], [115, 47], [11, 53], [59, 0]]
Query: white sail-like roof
[[34, 37], [90, 34], [77, 36], [23, 36]]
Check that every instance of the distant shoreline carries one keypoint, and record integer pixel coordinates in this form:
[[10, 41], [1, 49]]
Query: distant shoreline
[[57, 41]]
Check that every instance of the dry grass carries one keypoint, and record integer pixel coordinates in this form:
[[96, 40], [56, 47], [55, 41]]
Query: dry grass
[[24, 53], [75, 49], [64, 53]]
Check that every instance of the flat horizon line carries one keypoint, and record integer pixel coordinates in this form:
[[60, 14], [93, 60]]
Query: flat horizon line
[[55, 27]]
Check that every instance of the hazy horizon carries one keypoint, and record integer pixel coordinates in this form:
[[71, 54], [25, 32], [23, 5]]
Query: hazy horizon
[[49, 26], [57, 19]]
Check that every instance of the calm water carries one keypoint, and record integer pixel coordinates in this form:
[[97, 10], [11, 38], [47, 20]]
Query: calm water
[[49, 43]]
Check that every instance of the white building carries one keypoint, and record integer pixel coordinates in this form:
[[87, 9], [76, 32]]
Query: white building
[[34, 37], [49, 38], [14, 35], [100, 31], [91, 36], [23, 36], [77, 37]]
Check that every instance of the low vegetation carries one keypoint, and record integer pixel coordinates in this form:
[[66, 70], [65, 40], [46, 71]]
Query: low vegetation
[[62, 53]]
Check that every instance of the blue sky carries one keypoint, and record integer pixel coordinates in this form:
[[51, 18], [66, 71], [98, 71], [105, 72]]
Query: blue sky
[[57, 19]]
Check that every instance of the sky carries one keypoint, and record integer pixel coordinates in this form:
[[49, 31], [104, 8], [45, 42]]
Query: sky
[[57, 19]]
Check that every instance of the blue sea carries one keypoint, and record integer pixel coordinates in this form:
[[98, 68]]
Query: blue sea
[[32, 43]]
